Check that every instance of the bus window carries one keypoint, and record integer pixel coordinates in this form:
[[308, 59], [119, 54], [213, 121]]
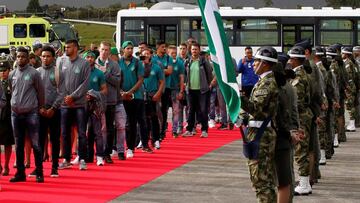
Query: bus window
[[20, 31], [336, 31], [170, 34], [37, 30], [258, 32], [184, 30], [229, 30], [154, 34], [134, 31], [197, 32]]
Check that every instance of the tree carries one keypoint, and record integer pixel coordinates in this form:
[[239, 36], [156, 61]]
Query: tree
[[34, 6], [339, 3], [268, 3]]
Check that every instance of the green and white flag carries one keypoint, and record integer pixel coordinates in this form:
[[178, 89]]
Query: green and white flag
[[220, 55]]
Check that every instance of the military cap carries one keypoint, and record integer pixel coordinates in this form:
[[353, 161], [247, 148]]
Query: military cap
[[331, 51], [356, 49], [37, 46], [319, 51], [297, 52], [283, 58], [267, 54], [127, 43], [337, 46], [12, 48], [4, 65], [305, 44], [346, 50]]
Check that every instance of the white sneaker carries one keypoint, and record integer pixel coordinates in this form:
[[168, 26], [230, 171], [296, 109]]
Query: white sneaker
[[204, 134], [211, 123], [139, 145], [129, 154], [322, 157], [114, 153], [99, 161], [75, 161], [157, 144], [82, 165], [304, 187], [336, 141], [351, 126]]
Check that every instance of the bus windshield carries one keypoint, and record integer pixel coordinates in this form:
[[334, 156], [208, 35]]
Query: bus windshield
[[64, 31]]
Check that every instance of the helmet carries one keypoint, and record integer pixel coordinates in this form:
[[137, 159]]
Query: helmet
[[337, 46], [356, 49], [305, 44], [267, 54], [331, 51], [283, 59], [297, 52], [319, 51], [346, 50]]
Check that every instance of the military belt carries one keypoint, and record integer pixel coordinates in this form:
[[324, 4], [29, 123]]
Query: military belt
[[257, 124]]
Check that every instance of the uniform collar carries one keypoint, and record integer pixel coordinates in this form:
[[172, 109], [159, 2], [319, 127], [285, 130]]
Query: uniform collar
[[298, 68], [263, 75]]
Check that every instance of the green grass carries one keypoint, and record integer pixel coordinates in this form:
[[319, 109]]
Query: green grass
[[89, 33]]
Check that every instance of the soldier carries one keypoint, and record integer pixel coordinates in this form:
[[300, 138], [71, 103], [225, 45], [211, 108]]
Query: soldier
[[346, 53], [262, 107], [303, 88], [342, 81], [356, 54], [319, 54], [12, 56]]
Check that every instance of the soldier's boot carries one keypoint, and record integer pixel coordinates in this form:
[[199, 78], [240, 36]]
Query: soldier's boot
[[304, 187], [336, 141], [351, 126], [322, 157]]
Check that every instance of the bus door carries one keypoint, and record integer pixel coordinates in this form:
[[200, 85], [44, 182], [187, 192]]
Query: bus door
[[295, 33], [167, 33]]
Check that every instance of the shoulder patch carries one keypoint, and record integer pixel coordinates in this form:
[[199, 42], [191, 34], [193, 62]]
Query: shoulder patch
[[261, 92]]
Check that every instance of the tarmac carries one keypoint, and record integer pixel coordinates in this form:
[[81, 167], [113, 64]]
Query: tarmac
[[222, 176]]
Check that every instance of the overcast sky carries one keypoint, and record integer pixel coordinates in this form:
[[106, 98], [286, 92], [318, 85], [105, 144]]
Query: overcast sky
[[21, 4]]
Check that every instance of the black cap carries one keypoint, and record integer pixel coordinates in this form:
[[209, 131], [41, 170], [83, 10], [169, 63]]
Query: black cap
[[297, 52], [37, 46], [346, 50], [4, 65], [319, 51], [283, 59]]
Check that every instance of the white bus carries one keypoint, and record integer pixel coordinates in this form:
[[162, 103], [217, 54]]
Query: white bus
[[281, 28]]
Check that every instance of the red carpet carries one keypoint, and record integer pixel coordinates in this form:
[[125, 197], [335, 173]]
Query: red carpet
[[100, 184]]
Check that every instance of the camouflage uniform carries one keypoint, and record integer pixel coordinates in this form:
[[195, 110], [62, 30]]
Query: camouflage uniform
[[261, 105], [341, 78], [357, 67], [323, 135], [11, 58], [302, 86], [351, 88], [332, 95]]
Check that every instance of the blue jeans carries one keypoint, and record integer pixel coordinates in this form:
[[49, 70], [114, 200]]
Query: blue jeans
[[27, 123], [175, 110], [120, 123], [212, 109], [68, 117]]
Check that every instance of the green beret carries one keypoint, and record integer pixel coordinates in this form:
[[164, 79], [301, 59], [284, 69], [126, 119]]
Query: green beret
[[114, 51], [4, 65], [127, 43], [89, 53]]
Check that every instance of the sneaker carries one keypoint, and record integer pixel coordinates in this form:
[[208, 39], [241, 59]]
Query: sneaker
[[187, 134], [148, 150], [223, 126], [40, 178], [211, 123], [64, 165], [99, 161], [129, 154], [82, 165], [139, 145], [108, 160], [157, 144], [121, 156], [54, 173], [113, 153], [32, 174], [75, 161], [175, 134], [204, 134]]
